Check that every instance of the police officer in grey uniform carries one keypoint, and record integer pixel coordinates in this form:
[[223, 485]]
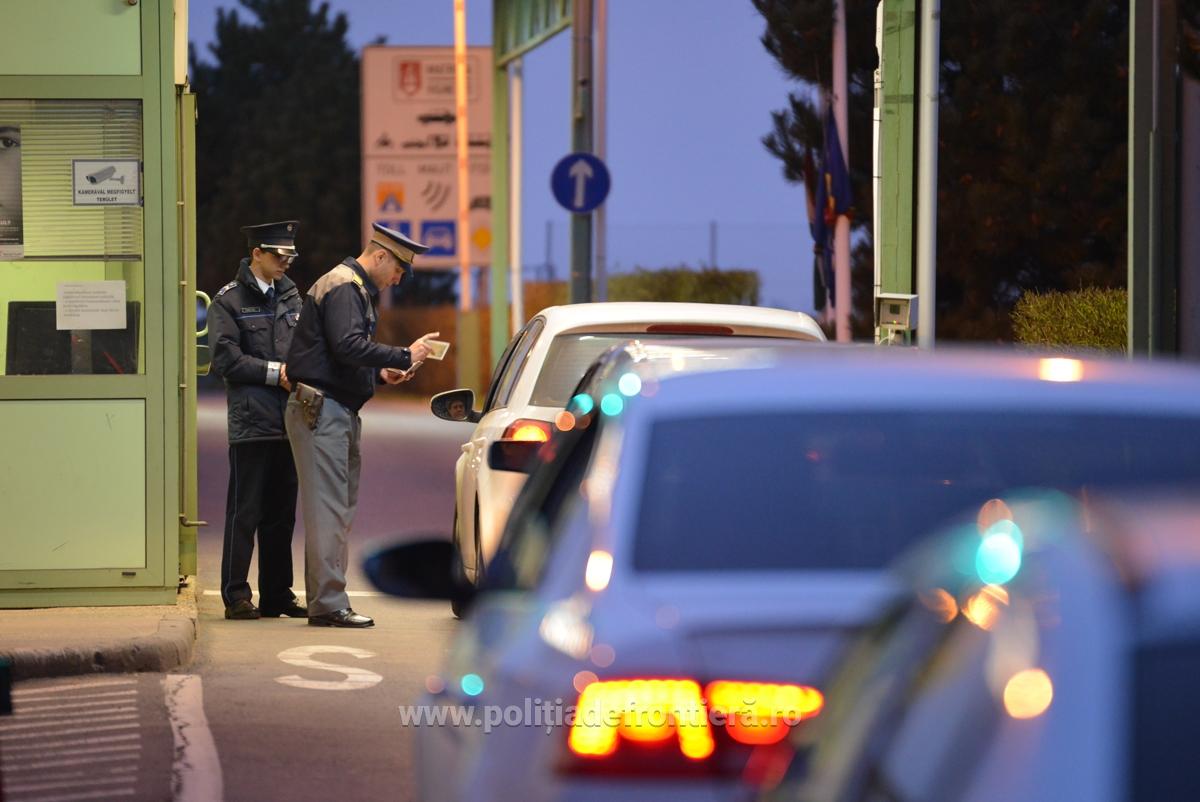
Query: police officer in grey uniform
[[250, 326], [335, 366]]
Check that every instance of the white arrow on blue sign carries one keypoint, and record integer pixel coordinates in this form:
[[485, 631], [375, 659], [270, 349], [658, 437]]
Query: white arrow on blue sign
[[580, 182]]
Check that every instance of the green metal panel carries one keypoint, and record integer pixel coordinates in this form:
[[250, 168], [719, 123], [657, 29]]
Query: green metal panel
[[897, 136], [519, 26], [69, 509], [157, 392], [501, 213], [71, 37], [189, 491]]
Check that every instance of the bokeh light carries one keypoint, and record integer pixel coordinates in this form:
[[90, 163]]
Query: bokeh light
[[583, 403], [1028, 693], [612, 404], [471, 684], [630, 384], [998, 558]]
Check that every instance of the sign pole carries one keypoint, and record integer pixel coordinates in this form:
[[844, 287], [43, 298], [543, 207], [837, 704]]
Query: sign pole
[[581, 141]]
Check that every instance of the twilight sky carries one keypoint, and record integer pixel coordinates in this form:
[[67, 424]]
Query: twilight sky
[[690, 91]]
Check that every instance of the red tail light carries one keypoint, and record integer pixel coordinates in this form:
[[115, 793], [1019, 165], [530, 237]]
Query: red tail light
[[689, 328], [527, 430], [666, 726]]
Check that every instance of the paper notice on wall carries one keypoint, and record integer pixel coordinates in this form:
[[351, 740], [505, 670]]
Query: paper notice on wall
[[90, 305], [12, 218]]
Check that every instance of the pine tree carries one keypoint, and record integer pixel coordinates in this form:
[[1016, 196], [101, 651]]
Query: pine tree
[[1031, 151], [277, 136]]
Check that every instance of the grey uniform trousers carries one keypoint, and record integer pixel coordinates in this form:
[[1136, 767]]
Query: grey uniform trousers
[[328, 466]]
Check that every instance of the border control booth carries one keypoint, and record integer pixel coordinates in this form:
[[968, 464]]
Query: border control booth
[[97, 320]]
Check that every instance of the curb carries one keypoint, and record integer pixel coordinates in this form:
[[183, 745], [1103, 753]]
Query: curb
[[168, 648]]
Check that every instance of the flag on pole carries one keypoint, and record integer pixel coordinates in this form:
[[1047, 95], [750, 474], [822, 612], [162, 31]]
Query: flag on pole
[[822, 271], [833, 199]]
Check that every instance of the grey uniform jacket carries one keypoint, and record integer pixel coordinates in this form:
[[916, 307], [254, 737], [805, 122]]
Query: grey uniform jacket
[[246, 335]]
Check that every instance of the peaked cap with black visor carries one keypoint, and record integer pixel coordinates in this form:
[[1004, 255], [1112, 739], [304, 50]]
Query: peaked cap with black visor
[[400, 246], [278, 238]]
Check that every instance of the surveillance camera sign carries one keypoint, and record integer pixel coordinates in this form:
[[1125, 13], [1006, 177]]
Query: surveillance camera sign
[[106, 182]]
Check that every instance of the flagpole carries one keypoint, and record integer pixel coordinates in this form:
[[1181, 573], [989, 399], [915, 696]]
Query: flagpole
[[841, 244]]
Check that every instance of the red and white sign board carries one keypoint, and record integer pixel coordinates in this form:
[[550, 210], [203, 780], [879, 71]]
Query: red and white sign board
[[409, 149]]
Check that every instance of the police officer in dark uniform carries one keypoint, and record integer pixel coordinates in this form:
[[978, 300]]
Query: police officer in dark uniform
[[251, 323], [335, 365]]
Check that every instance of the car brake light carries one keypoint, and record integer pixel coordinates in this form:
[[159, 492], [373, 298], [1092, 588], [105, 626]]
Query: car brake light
[[759, 713], [666, 725], [688, 328], [527, 430], [642, 711]]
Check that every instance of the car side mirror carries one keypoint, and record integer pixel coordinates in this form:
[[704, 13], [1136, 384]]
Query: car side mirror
[[422, 569], [513, 455], [455, 405]]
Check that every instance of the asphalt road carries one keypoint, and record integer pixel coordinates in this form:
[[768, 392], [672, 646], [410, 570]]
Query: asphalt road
[[306, 713]]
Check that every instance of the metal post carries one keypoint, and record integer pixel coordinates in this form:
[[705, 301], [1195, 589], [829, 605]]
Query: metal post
[[712, 243], [463, 243], [601, 144], [927, 173], [841, 231], [1152, 249], [501, 211], [581, 141], [516, 145]]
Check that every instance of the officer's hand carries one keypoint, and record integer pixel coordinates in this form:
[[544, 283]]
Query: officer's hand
[[284, 381], [419, 350], [393, 376]]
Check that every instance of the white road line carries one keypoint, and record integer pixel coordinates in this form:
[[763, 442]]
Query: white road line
[[84, 714], [7, 728], [108, 753], [106, 794], [25, 736], [196, 773], [42, 746], [59, 785], [108, 695], [19, 693], [45, 764], [24, 711]]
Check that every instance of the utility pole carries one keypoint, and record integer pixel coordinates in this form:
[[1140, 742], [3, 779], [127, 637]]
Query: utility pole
[[516, 111]]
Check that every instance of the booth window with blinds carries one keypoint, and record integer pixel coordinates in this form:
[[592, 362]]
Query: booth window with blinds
[[72, 271]]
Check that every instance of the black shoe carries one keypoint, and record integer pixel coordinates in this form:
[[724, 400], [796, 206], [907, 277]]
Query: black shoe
[[292, 609], [341, 618], [242, 610]]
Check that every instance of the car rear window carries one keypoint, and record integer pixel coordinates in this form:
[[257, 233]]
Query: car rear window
[[566, 361], [789, 491]]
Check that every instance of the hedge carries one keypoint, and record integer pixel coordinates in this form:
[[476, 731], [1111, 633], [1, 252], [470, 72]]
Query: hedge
[[1087, 318]]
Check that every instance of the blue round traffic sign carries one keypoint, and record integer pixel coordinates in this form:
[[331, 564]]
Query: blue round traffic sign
[[580, 182]]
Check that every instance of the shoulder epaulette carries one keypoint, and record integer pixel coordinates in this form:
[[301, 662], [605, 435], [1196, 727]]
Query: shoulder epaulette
[[226, 288], [357, 279]]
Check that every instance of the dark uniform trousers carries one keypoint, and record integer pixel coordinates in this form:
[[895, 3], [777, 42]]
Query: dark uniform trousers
[[262, 498]]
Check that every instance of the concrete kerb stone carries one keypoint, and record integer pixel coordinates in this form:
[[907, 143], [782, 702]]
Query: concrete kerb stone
[[168, 648]]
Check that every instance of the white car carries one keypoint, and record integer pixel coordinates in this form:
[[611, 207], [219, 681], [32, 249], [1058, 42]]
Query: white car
[[674, 587], [533, 380]]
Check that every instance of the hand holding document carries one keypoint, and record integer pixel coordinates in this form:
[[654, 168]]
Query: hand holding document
[[425, 347]]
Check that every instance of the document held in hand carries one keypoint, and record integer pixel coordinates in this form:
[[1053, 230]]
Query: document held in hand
[[438, 348]]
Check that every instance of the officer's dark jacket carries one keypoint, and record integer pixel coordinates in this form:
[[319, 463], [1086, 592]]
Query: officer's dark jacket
[[332, 349], [246, 333]]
